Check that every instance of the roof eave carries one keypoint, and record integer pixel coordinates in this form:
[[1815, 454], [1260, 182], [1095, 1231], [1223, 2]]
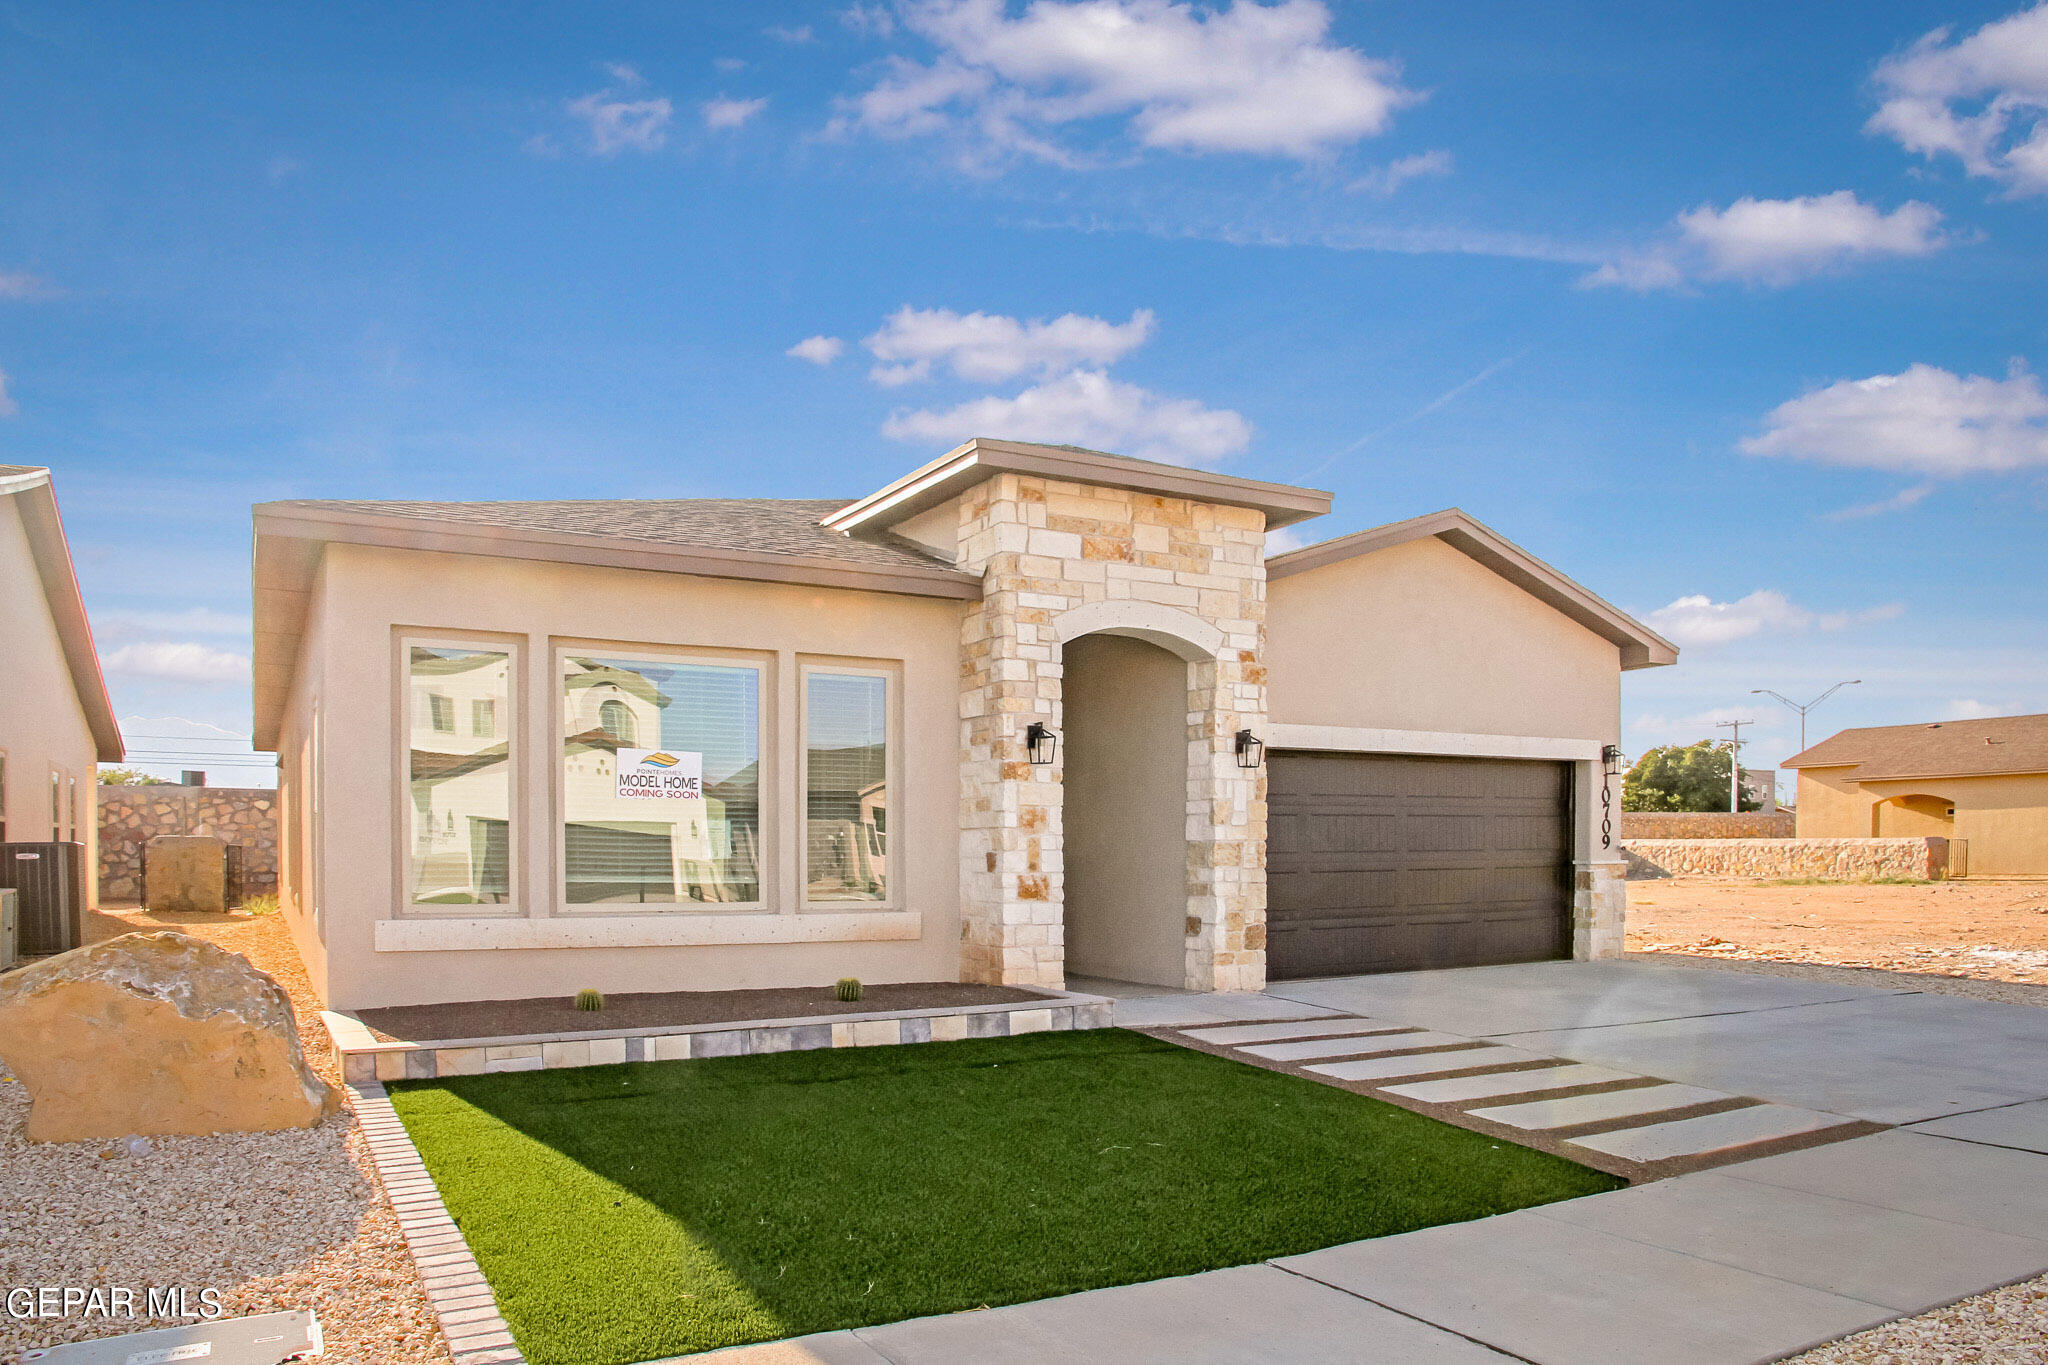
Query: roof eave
[[1640, 646], [36, 500], [984, 457]]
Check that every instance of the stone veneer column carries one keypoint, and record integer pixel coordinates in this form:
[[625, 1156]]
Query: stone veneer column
[[1599, 910], [1044, 548]]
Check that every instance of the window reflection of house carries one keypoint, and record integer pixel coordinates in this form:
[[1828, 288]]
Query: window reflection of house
[[644, 850], [461, 849], [848, 823]]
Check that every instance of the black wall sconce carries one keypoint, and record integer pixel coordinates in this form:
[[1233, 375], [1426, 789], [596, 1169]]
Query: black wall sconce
[[1610, 759], [1041, 742], [1250, 751], [1610, 768]]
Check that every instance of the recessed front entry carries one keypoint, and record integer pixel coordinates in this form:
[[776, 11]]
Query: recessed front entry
[[1125, 799], [1386, 862]]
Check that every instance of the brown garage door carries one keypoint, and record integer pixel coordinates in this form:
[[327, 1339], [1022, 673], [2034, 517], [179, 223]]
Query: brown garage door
[[1384, 862]]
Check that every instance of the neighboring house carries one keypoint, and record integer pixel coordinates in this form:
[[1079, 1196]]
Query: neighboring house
[[1983, 781], [530, 747], [56, 724]]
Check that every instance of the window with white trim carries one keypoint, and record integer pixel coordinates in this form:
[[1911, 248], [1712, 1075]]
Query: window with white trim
[[846, 785]]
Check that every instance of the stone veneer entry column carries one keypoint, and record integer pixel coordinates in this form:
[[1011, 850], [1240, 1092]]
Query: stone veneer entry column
[[1059, 560]]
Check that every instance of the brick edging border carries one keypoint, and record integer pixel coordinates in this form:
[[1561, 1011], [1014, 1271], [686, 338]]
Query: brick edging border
[[456, 1289]]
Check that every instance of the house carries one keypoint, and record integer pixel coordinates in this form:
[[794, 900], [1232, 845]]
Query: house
[[1030, 714], [56, 723], [1984, 782]]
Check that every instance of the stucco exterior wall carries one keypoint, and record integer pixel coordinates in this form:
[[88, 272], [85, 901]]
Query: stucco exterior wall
[[43, 728], [1419, 638], [2003, 817], [370, 597]]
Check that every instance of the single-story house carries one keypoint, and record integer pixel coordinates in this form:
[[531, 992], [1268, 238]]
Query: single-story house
[[56, 723], [1982, 782], [1027, 715]]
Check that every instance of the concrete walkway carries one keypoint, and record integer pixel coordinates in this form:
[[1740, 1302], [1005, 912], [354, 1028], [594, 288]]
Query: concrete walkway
[[1749, 1262]]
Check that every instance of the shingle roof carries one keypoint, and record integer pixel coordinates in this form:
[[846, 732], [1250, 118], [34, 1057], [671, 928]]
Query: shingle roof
[[782, 526], [1949, 748]]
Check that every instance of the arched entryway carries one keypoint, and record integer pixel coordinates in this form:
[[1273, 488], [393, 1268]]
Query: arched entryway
[[1125, 702], [1916, 816]]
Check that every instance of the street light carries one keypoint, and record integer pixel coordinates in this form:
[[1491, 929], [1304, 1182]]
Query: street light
[[1802, 710]]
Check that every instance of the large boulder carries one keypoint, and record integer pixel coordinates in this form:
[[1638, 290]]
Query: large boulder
[[155, 1033]]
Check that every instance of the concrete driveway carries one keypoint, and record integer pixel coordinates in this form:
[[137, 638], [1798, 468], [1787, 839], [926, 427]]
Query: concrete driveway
[[1749, 1262]]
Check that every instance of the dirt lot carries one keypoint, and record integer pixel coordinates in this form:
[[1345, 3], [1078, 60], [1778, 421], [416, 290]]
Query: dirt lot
[[1989, 931]]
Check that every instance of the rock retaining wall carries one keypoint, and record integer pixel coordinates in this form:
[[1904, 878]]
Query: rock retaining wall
[[1639, 825], [131, 816], [1834, 859]]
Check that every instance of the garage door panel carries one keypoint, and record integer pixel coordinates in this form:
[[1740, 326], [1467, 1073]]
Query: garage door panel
[[1379, 862]]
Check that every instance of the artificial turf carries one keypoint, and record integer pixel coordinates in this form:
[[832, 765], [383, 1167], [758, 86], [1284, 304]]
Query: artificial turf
[[623, 1213]]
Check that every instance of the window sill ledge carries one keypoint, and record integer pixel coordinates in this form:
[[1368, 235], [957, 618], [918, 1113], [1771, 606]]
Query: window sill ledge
[[645, 931]]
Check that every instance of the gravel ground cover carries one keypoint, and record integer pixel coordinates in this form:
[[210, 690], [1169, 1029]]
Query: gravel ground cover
[[272, 1220], [2007, 1326]]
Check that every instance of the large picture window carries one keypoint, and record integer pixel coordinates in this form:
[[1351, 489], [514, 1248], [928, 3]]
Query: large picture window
[[460, 779], [846, 786], [661, 781]]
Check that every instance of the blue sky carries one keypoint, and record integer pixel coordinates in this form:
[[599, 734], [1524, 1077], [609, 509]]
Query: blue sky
[[1734, 313]]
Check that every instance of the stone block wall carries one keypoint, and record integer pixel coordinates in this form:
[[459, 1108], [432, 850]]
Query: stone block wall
[[1637, 825], [1834, 859], [131, 816], [1046, 549]]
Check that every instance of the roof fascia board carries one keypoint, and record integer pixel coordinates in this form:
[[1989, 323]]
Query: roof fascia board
[[982, 458], [36, 500], [1640, 646], [1948, 774]]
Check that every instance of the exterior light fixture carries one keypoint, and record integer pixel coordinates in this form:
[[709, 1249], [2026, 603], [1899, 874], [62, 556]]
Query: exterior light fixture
[[1610, 759], [1610, 768], [1249, 750], [1041, 742]]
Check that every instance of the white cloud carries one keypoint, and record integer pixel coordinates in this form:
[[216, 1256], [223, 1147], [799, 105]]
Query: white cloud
[[819, 350], [1898, 502], [730, 63], [1087, 408], [624, 73], [1981, 99], [1775, 241], [19, 284], [784, 33], [189, 621], [1924, 421], [1386, 181], [183, 662], [7, 404], [1253, 78], [1286, 538], [873, 21], [617, 124], [990, 347], [1698, 620], [1969, 708], [729, 113]]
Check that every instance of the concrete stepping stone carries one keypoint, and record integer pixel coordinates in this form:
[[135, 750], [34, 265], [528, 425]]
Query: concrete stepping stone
[[1300, 1028], [1352, 1047], [1421, 1064], [1714, 1133], [1461, 1089], [1615, 1104]]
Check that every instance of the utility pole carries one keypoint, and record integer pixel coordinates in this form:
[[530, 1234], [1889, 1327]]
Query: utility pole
[[1802, 710], [1734, 761]]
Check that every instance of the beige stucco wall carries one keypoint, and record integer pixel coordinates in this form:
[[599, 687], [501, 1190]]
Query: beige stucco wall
[[42, 726], [1125, 704], [2003, 818], [298, 776], [1421, 637], [369, 596]]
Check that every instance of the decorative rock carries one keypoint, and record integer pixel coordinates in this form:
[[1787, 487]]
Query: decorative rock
[[1845, 860], [155, 1033], [131, 816], [187, 873]]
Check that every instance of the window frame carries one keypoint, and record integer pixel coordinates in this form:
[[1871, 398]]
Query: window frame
[[404, 640], [891, 674], [769, 799]]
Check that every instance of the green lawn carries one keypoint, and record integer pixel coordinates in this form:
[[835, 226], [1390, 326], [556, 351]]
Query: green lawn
[[624, 1213]]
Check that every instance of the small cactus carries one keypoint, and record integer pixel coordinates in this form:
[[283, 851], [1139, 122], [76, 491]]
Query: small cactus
[[848, 988], [589, 1000]]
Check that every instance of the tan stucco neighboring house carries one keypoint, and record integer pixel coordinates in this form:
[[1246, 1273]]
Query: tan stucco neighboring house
[[1031, 715], [1982, 782], [56, 724]]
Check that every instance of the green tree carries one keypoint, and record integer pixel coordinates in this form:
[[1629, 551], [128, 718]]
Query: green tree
[[129, 777], [1692, 777]]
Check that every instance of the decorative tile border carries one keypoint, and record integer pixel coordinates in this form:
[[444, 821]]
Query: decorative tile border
[[468, 1311], [364, 1061]]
